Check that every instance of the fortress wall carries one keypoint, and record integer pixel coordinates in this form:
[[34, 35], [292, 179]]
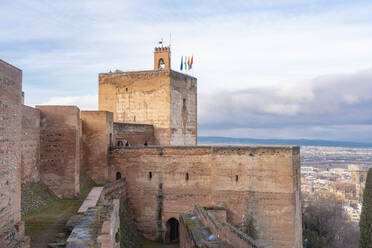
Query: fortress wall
[[136, 134], [10, 152], [138, 97], [183, 107], [30, 145], [60, 149], [265, 194], [97, 129]]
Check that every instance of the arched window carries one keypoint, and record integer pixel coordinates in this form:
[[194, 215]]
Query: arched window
[[161, 64], [150, 175], [187, 176], [118, 175]]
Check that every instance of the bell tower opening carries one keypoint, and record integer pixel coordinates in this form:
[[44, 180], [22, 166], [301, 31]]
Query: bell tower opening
[[162, 58]]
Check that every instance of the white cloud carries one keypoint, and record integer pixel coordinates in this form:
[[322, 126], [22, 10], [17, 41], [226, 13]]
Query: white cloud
[[88, 102]]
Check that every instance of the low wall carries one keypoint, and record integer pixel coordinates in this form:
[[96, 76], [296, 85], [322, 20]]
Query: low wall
[[98, 221], [135, 134], [225, 231], [30, 162]]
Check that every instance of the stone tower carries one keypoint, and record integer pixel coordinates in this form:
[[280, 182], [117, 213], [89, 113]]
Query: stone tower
[[161, 97], [162, 58]]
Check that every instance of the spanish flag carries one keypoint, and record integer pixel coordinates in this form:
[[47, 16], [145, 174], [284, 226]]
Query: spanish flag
[[188, 62]]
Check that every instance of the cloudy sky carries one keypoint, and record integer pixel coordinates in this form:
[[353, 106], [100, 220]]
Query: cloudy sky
[[265, 68]]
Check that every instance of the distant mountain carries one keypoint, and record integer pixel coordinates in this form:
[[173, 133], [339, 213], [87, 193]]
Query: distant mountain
[[205, 140]]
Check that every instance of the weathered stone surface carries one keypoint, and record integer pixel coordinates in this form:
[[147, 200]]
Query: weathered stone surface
[[30, 145], [135, 134], [164, 182], [97, 137], [10, 153], [163, 98], [60, 149]]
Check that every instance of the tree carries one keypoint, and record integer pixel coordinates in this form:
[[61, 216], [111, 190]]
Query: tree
[[326, 225], [365, 223]]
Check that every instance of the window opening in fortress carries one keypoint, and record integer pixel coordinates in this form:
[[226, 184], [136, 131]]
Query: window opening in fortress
[[150, 175], [126, 89], [161, 64], [120, 143], [184, 101], [236, 178], [118, 175], [172, 234], [110, 139], [187, 176]]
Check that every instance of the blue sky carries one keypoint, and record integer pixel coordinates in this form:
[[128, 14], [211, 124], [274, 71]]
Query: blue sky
[[265, 68]]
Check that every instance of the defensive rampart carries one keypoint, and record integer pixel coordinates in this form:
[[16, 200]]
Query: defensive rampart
[[259, 186]]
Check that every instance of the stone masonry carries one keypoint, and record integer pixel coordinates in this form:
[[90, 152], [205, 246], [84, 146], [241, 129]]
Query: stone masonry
[[11, 227]]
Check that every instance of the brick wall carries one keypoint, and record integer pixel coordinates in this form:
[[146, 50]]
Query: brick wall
[[30, 144], [11, 227], [97, 129], [183, 107], [60, 149], [135, 134], [257, 184], [153, 97]]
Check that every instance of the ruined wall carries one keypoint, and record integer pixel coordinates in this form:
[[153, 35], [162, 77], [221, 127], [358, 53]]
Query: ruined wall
[[11, 226], [257, 185], [138, 97], [30, 145], [60, 149], [97, 129], [135, 134], [183, 107]]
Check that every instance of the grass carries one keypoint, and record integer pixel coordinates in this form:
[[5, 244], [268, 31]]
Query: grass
[[44, 223], [151, 244]]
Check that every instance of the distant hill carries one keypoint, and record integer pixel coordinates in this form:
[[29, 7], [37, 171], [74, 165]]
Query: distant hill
[[205, 140]]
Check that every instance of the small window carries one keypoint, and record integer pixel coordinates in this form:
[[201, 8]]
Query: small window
[[184, 101], [236, 178], [161, 64], [118, 175], [126, 89], [187, 177], [120, 143], [150, 175]]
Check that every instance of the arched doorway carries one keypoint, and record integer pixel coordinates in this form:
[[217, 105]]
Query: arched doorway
[[172, 234], [118, 175]]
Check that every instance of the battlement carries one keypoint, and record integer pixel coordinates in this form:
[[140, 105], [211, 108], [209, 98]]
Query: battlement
[[162, 49]]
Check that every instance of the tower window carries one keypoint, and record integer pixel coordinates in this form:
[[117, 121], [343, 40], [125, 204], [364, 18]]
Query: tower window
[[236, 178], [126, 89], [161, 64], [184, 101], [187, 176], [150, 175]]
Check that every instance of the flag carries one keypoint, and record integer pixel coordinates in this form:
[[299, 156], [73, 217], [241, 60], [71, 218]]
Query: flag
[[185, 63], [192, 61], [188, 62], [181, 67]]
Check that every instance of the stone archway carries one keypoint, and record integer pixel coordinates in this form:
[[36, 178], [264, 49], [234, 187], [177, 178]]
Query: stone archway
[[172, 234]]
